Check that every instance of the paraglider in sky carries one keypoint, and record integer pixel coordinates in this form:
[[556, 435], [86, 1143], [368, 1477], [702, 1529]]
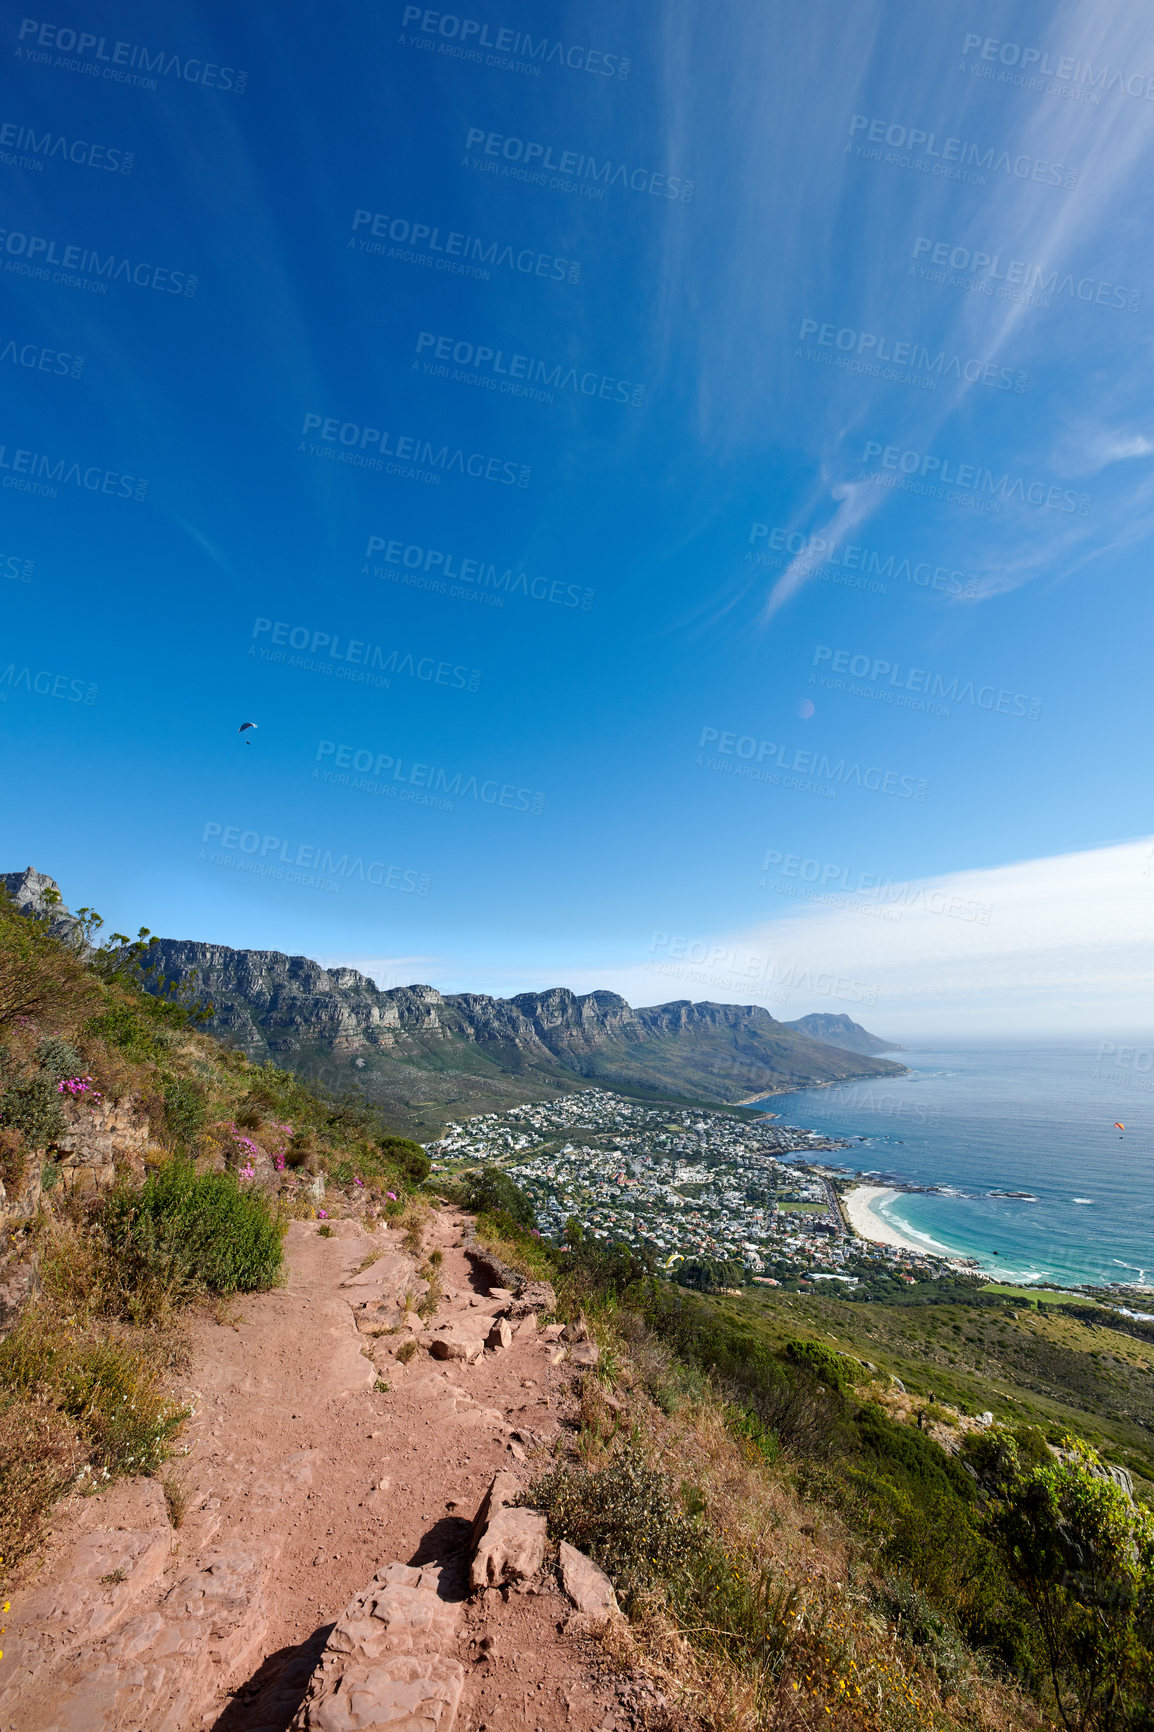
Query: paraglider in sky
[[1118, 1127], [242, 728]]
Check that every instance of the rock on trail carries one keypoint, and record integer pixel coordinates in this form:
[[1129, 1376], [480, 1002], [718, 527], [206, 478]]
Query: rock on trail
[[327, 1575]]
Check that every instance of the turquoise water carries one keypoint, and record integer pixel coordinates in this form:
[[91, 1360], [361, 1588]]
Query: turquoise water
[[1021, 1118]]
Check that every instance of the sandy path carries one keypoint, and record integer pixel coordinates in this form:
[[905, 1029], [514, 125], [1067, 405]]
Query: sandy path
[[303, 1479]]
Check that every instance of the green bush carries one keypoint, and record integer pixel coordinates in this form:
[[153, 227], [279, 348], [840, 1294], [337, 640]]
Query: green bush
[[122, 1027], [410, 1157], [822, 1362], [39, 977], [184, 1233], [33, 1107], [58, 1058], [710, 1275], [625, 1516], [185, 1110], [492, 1192]]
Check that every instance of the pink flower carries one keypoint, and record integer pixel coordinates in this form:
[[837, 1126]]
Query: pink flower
[[78, 1085], [359, 1182], [278, 1163], [391, 1195], [323, 1214], [247, 1172]]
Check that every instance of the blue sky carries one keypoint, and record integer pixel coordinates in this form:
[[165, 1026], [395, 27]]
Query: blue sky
[[832, 542]]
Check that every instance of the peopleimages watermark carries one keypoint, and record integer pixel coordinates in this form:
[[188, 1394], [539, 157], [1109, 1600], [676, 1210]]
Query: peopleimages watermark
[[914, 688], [516, 375], [903, 362], [845, 886], [37, 359], [15, 568], [35, 472], [44, 684], [1035, 64], [412, 457], [1013, 279], [529, 159], [948, 157], [964, 483], [357, 659], [738, 965], [23, 147], [480, 580], [275, 857], [120, 62], [458, 254], [805, 770], [861, 1099], [503, 49], [863, 567], [83, 267], [1129, 1067], [418, 783]]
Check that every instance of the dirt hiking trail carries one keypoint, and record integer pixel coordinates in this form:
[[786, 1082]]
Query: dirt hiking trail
[[320, 1576]]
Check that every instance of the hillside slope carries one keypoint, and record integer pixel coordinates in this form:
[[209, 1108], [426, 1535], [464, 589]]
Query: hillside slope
[[427, 1056]]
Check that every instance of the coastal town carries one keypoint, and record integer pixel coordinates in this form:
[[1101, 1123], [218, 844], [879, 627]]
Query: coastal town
[[689, 1186]]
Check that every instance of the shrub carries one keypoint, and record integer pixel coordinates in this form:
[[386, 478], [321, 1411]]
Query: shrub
[[111, 1390], [184, 1233], [13, 1158], [58, 1058], [122, 1027], [39, 976], [33, 1107], [1081, 1554], [303, 1149], [625, 1516], [39, 1456], [822, 1362], [410, 1157], [185, 1111], [710, 1275], [492, 1192]]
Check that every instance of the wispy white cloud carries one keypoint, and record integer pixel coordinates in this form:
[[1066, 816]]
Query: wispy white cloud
[[1057, 945]]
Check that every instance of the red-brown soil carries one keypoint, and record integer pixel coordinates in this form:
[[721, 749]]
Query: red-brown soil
[[303, 1478]]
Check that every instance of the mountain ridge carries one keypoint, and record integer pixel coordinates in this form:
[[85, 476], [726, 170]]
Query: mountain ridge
[[414, 1048], [424, 1056]]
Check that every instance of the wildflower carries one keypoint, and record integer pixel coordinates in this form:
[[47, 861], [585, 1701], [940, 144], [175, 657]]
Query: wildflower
[[391, 1195], [322, 1214], [247, 1172], [78, 1085]]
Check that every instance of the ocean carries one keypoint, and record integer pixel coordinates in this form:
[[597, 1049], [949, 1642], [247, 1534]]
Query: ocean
[[1036, 1119]]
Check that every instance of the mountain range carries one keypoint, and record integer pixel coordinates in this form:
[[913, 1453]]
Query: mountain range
[[424, 1057]]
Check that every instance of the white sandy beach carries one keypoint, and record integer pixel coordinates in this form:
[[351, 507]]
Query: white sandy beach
[[861, 1205]]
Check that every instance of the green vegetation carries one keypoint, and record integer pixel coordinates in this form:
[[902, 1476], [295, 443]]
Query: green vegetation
[[492, 1192], [231, 1151], [1007, 1567], [183, 1234], [1081, 1555], [625, 1516]]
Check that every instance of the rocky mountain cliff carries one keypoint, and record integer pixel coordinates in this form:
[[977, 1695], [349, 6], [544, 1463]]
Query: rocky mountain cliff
[[426, 1056], [843, 1032]]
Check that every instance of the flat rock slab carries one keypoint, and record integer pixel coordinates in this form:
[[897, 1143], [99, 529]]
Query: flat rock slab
[[385, 1664], [588, 1587], [510, 1550]]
